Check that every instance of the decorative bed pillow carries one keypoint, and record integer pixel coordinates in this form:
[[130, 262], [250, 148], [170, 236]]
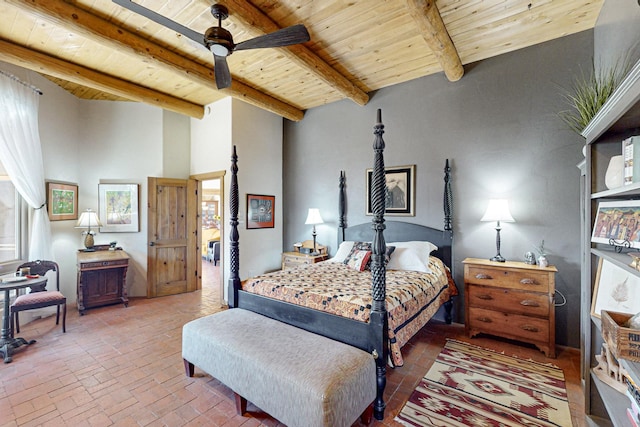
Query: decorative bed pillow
[[387, 256], [357, 246], [343, 251], [358, 260], [412, 256]]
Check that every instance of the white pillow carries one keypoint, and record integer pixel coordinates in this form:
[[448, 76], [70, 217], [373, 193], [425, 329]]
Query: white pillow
[[343, 251], [412, 256]]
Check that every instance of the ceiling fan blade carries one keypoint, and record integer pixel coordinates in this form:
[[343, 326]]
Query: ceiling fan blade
[[156, 17], [222, 73], [284, 37]]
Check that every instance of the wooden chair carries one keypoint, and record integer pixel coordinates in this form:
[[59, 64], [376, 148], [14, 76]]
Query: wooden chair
[[39, 298]]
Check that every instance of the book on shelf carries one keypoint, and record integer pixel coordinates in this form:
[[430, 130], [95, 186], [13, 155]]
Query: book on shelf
[[631, 159]]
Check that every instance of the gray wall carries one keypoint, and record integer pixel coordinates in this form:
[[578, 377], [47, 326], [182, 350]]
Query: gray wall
[[498, 126]]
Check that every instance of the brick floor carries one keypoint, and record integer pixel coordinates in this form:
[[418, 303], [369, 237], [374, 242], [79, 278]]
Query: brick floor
[[119, 366]]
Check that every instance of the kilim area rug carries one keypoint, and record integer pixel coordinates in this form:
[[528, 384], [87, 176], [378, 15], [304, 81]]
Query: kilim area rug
[[471, 386]]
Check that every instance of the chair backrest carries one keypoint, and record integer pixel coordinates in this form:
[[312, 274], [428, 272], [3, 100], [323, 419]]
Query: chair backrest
[[216, 250], [41, 267]]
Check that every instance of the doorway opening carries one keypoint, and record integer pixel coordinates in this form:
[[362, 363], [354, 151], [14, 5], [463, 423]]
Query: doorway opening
[[211, 200]]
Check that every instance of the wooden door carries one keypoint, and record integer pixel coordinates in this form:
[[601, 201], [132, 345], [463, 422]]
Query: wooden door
[[172, 237]]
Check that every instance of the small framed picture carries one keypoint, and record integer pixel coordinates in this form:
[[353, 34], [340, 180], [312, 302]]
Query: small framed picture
[[617, 223], [260, 211], [399, 192], [62, 201], [118, 208], [615, 290]]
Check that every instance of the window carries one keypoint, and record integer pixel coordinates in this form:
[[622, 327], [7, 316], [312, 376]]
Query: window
[[9, 221], [13, 232]]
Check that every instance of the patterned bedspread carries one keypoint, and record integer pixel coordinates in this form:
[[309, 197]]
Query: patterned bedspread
[[412, 297]]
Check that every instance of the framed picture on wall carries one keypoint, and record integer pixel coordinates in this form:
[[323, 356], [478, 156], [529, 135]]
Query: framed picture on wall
[[260, 211], [118, 208], [62, 201], [615, 290], [399, 193]]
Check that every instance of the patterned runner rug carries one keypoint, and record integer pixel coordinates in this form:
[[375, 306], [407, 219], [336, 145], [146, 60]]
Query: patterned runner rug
[[471, 386]]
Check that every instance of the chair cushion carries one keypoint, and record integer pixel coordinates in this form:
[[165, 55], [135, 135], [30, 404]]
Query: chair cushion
[[38, 298]]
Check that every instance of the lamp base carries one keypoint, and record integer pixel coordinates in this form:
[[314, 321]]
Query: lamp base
[[498, 258], [89, 242]]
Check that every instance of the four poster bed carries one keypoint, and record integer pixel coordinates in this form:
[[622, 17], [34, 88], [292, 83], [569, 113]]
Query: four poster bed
[[376, 311]]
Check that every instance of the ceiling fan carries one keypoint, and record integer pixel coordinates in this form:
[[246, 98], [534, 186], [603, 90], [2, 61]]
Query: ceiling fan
[[220, 41]]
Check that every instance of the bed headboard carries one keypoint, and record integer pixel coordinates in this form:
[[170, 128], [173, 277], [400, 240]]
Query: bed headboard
[[398, 231]]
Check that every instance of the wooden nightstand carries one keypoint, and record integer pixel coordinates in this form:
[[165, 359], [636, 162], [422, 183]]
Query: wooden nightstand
[[296, 259], [512, 300], [102, 278]]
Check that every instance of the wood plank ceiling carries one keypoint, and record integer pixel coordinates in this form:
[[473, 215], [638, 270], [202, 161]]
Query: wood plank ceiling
[[96, 49]]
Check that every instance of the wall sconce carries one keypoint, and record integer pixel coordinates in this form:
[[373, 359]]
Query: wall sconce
[[314, 218], [87, 220], [498, 210]]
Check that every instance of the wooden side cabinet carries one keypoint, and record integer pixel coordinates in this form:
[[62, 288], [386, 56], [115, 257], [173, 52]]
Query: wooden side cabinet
[[102, 278], [296, 259], [512, 300]]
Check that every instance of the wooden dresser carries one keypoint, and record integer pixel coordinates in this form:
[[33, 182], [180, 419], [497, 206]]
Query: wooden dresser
[[102, 278], [512, 300], [296, 259]]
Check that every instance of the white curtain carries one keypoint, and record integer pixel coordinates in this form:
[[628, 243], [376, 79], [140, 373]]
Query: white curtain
[[21, 156]]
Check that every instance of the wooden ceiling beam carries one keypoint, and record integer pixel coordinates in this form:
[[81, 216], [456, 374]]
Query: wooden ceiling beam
[[257, 23], [106, 33], [426, 15], [45, 64]]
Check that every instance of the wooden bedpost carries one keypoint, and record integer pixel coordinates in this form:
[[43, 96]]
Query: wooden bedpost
[[448, 197], [342, 218], [448, 233], [234, 237], [378, 266]]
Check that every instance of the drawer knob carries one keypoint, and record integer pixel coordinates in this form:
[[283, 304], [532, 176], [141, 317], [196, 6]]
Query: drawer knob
[[485, 297], [483, 276], [484, 319], [526, 281], [530, 328], [529, 303]]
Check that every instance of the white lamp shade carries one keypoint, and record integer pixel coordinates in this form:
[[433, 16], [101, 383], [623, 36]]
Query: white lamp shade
[[314, 217], [88, 219], [498, 210]]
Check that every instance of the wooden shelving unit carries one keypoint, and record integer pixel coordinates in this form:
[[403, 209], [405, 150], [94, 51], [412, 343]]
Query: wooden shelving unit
[[618, 119]]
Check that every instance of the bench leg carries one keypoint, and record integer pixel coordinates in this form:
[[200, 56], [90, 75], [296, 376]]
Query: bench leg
[[367, 415], [188, 368], [241, 404]]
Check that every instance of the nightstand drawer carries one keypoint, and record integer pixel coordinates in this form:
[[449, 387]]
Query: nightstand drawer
[[508, 325], [509, 278], [511, 301]]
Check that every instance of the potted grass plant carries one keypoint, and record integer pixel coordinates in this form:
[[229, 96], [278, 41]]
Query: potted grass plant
[[590, 91]]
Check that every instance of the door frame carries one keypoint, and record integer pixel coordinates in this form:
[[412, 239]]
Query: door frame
[[207, 177]]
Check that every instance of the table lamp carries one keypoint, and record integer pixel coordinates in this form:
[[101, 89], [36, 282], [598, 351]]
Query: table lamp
[[314, 218], [498, 210], [87, 220]]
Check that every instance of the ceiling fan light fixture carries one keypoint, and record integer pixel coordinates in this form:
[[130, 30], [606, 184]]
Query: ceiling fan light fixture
[[219, 50]]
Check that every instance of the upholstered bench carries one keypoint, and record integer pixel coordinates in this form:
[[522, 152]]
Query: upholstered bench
[[299, 378]]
